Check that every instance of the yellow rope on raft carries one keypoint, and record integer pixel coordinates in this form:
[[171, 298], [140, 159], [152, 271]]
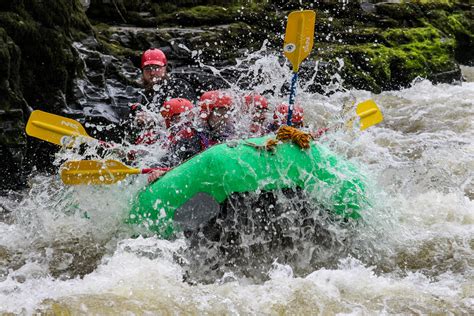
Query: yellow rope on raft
[[298, 137], [286, 133]]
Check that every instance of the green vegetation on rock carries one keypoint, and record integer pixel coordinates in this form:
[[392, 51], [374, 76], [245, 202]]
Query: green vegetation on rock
[[385, 49], [398, 57], [44, 31]]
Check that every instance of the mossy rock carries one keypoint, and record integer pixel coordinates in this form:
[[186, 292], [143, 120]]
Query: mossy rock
[[68, 15], [362, 35], [220, 44], [401, 56], [206, 15], [104, 34], [405, 12], [459, 26], [110, 11], [46, 58], [10, 91], [40, 66], [13, 126], [435, 4], [44, 31]]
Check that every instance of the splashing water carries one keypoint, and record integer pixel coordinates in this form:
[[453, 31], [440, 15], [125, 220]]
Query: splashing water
[[66, 249]]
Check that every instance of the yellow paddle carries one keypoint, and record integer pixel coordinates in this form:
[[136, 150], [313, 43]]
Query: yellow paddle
[[98, 172], [56, 129], [299, 36], [298, 44], [369, 114]]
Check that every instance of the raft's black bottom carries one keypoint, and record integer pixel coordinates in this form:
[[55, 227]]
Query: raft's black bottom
[[252, 231]]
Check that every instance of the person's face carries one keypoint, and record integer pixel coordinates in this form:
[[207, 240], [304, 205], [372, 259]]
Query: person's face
[[153, 74], [281, 118], [257, 128], [260, 115], [297, 124], [219, 119]]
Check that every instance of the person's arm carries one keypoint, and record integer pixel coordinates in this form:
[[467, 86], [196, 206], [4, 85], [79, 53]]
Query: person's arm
[[131, 129], [155, 175], [320, 132], [187, 148], [182, 89]]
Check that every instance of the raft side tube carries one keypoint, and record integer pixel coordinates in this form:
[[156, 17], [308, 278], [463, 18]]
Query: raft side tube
[[236, 168]]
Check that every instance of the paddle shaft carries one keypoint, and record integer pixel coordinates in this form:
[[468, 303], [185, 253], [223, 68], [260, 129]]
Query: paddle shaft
[[99, 172], [124, 171], [294, 80]]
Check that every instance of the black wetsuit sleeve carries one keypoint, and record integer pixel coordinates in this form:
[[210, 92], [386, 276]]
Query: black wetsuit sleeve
[[187, 148], [130, 129], [181, 151]]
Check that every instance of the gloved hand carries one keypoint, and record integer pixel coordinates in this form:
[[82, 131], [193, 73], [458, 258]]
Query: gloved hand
[[155, 175], [143, 118]]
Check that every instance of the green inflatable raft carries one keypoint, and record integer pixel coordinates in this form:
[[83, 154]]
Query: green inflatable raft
[[209, 178]]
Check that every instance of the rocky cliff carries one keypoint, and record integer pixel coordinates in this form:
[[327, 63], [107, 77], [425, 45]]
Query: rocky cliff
[[38, 69]]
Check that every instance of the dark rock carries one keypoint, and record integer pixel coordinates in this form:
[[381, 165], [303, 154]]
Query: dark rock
[[39, 69], [451, 76], [252, 229], [12, 148]]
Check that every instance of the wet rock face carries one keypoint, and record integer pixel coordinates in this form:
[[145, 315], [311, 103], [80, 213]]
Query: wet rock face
[[381, 44], [85, 4], [38, 67], [9, 72], [43, 32]]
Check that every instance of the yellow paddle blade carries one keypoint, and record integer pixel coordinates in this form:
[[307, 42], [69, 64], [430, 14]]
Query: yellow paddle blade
[[369, 114], [299, 36], [95, 172], [54, 128]]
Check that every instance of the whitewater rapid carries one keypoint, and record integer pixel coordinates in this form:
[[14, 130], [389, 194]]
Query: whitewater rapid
[[414, 253]]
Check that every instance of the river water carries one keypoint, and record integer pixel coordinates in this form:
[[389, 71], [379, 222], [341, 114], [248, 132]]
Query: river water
[[412, 254]]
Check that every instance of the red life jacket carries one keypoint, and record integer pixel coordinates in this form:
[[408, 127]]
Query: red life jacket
[[189, 133], [147, 138], [182, 134], [320, 132], [258, 129]]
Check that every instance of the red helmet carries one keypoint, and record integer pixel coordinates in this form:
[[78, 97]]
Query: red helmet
[[281, 114], [173, 107], [214, 99], [256, 100], [154, 56]]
